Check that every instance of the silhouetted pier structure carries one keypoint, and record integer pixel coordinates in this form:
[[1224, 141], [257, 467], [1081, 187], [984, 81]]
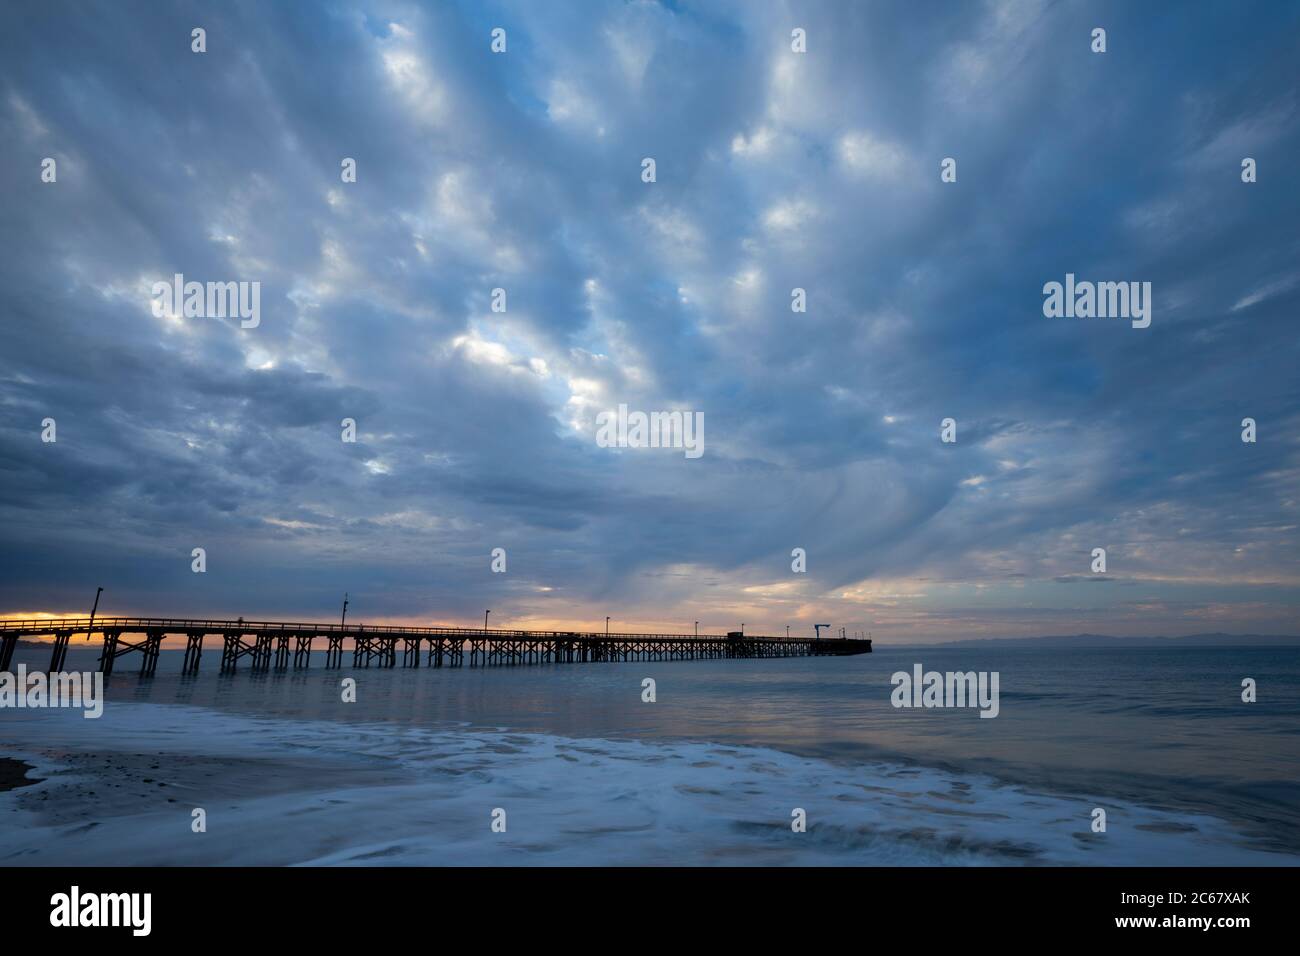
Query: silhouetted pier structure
[[267, 644]]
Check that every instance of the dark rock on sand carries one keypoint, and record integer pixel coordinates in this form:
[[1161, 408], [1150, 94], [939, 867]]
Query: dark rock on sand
[[13, 774]]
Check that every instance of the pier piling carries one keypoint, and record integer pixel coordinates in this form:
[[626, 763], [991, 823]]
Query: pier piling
[[149, 652], [193, 651], [60, 651]]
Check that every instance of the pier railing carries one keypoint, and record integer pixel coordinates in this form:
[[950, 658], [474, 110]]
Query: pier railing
[[215, 626]]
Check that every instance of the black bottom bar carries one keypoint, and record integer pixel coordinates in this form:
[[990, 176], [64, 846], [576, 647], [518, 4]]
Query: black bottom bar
[[948, 909]]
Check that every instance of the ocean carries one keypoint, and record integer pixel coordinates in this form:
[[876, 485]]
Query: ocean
[[568, 765]]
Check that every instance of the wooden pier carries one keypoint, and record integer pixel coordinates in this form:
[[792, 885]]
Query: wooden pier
[[278, 645]]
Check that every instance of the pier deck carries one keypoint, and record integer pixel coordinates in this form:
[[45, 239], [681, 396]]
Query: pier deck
[[279, 645]]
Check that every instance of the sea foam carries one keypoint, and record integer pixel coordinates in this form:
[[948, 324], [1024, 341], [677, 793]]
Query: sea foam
[[333, 793]]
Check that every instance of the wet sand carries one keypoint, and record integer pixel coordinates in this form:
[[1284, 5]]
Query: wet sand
[[83, 786]]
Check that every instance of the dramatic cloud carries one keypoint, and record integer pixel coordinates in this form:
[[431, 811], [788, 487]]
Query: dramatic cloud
[[775, 170]]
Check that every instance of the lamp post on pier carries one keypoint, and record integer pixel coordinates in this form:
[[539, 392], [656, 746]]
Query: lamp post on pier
[[91, 625]]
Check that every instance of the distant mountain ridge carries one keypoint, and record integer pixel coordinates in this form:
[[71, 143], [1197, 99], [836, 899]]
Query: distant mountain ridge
[[1106, 640]]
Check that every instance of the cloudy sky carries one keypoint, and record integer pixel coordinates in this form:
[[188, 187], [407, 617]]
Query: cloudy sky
[[774, 170]]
